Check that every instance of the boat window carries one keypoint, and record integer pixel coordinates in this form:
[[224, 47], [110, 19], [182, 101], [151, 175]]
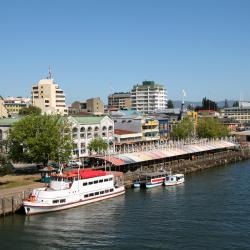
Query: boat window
[[110, 179], [105, 180], [97, 193], [90, 183], [102, 192], [172, 179], [86, 196], [106, 191], [55, 201], [92, 194], [84, 183], [100, 180], [95, 182], [62, 200], [167, 178], [111, 190]]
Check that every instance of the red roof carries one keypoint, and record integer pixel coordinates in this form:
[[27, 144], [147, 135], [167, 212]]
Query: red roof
[[85, 173], [123, 132]]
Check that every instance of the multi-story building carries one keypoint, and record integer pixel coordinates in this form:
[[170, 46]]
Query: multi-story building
[[49, 97], [15, 104], [3, 110], [86, 128], [149, 97], [93, 106], [146, 128], [240, 114], [119, 100]]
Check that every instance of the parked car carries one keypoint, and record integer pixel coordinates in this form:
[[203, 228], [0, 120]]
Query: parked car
[[74, 163]]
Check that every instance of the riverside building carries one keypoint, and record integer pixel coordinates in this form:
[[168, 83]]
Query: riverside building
[[240, 114], [149, 97], [86, 128], [47, 96]]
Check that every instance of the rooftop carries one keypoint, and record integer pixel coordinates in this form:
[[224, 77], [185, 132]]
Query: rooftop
[[87, 119], [148, 84]]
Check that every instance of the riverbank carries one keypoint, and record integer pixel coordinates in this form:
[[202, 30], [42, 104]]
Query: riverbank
[[11, 198], [185, 166]]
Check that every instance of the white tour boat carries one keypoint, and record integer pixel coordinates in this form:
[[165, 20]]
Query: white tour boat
[[74, 188], [174, 179]]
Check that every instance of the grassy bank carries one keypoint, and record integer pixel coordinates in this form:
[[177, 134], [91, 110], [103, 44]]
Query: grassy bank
[[12, 181]]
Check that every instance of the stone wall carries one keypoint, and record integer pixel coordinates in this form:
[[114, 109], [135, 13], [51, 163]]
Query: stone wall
[[191, 165]]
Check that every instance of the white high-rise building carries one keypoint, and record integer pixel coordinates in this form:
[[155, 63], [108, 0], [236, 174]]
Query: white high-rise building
[[149, 97], [49, 97]]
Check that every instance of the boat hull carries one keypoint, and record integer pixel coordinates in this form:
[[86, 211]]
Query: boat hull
[[151, 185], [136, 185], [173, 183], [34, 208]]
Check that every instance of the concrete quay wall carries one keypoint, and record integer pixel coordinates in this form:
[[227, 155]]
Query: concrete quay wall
[[12, 202], [186, 166]]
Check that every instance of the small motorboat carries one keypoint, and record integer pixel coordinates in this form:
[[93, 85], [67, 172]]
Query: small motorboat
[[137, 184], [174, 179]]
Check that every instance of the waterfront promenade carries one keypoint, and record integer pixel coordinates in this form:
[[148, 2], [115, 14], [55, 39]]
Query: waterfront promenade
[[11, 199]]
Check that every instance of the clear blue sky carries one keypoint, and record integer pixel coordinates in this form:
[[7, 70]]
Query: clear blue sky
[[95, 47]]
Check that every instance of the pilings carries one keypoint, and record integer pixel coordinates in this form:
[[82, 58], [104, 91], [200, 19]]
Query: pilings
[[13, 202]]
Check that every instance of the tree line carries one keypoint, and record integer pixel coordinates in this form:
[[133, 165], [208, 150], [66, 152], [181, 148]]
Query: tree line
[[205, 128]]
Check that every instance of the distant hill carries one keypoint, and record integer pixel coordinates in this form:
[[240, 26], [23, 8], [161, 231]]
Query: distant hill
[[177, 103]]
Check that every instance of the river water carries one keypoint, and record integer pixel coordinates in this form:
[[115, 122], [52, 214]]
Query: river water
[[210, 211]]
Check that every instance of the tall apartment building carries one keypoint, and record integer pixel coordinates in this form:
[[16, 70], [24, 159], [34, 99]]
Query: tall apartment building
[[119, 100], [49, 97], [149, 97]]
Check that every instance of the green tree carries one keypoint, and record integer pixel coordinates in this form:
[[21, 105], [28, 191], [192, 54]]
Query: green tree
[[183, 130], [40, 138], [97, 145], [226, 105], [208, 104], [170, 104], [236, 104], [211, 128], [31, 110], [5, 165]]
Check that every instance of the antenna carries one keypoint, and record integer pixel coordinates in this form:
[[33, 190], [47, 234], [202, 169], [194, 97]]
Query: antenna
[[183, 95], [182, 105], [50, 73]]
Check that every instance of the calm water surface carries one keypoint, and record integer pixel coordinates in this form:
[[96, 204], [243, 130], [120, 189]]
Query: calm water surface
[[210, 211]]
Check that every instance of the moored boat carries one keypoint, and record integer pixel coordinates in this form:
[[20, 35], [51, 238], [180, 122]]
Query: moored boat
[[175, 179], [137, 184], [74, 188], [154, 179]]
